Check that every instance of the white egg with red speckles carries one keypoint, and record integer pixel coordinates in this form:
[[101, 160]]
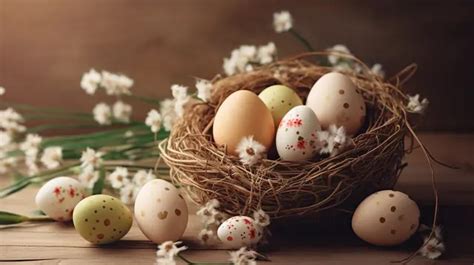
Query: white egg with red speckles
[[239, 231], [58, 197], [296, 138]]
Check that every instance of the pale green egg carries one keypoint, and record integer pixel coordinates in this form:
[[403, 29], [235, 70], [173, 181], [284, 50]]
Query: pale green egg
[[279, 100], [102, 219]]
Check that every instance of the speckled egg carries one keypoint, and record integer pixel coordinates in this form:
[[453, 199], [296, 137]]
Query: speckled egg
[[386, 218], [279, 100], [102, 219], [335, 99], [243, 114], [296, 138], [161, 212], [58, 197], [239, 231]]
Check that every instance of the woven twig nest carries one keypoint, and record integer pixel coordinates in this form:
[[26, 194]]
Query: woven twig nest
[[289, 189]]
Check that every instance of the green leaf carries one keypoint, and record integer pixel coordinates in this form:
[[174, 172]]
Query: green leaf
[[7, 218], [99, 184], [17, 186]]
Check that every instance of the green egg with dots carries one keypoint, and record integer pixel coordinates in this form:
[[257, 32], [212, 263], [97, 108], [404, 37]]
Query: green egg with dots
[[102, 219], [279, 100]]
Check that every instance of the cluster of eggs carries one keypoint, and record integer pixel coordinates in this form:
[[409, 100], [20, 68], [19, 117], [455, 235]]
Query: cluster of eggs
[[333, 99], [160, 211]]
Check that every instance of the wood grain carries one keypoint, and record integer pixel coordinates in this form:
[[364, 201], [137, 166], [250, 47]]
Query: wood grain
[[45, 46]]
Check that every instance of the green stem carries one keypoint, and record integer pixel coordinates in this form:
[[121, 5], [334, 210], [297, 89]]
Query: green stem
[[143, 99], [302, 40]]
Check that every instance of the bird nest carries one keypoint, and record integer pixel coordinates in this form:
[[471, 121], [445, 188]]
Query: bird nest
[[289, 189]]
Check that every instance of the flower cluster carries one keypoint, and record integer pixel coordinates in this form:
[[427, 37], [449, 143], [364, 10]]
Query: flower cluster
[[211, 218], [342, 63], [250, 151], [333, 141], [432, 247], [128, 186], [415, 105], [243, 256], [167, 251], [282, 21], [246, 57]]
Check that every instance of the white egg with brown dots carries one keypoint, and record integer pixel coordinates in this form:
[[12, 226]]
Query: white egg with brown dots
[[161, 211], [335, 99], [58, 197], [102, 219], [239, 231], [386, 218]]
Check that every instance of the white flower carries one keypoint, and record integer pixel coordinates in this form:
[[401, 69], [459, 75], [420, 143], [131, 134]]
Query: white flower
[[91, 159], [282, 21], [88, 178], [266, 53], [339, 135], [6, 163], [240, 59], [326, 142], [31, 165], [432, 248], [142, 177], [116, 84], [129, 134], [209, 214], [167, 251], [122, 111], [332, 141], [5, 139], [119, 177], [90, 81], [261, 218], [10, 121], [128, 193], [377, 70], [203, 89], [335, 59], [103, 114], [2, 91], [206, 236], [52, 157], [167, 110], [414, 105], [243, 257], [153, 120], [31, 145], [179, 92], [250, 151]]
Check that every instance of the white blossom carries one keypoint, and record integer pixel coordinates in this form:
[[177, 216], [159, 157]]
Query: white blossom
[[52, 157], [414, 105], [103, 113], [91, 159], [142, 177], [10, 120], [168, 113], [2, 91], [210, 215], [167, 252], [88, 178], [206, 236], [31, 145], [122, 111], [266, 53], [250, 151], [128, 193], [339, 134], [5, 139], [243, 256], [282, 21], [204, 88], [90, 81], [32, 165], [377, 70], [326, 142], [261, 218], [153, 120], [116, 84], [433, 248], [332, 141], [179, 92], [6, 163], [119, 177], [336, 59]]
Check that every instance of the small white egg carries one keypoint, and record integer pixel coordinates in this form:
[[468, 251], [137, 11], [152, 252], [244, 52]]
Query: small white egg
[[239, 231]]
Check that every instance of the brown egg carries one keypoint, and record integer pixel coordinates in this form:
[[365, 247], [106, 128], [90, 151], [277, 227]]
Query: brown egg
[[386, 218], [243, 114]]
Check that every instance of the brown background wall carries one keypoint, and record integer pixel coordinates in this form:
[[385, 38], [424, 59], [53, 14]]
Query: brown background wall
[[45, 46]]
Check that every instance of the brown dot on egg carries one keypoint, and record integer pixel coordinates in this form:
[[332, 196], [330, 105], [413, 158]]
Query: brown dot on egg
[[166, 188], [401, 217], [100, 236], [282, 101], [162, 215], [93, 228], [97, 221], [103, 200], [111, 209], [382, 220], [393, 209], [106, 222], [341, 91], [393, 231], [177, 212], [103, 207], [346, 105], [95, 211], [391, 195]]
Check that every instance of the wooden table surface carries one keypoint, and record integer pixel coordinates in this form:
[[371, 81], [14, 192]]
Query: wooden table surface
[[57, 243]]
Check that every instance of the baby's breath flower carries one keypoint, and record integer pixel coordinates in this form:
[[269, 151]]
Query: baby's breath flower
[[243, 256], [2, 91], [90, 81], [122, 111], [206, 236], [433, 248], [282, 21], [203, 89], [128, 193], [32, 165], [102, 113], [266, 53], [91, 159], [326, 142], [336, 59], [88, 178], [240, 60], [377, 70], [167, 252], [179, 92], [31, 145], [142, 177], [339, 134], [116, 84], [333, 141], [10, 120], [250, 151], [261, 218], [5, 139], [153, 120], [209, 214], [6, 163], [414, 105], [52, 157], [119, 177], [179, 107], [167, 110]]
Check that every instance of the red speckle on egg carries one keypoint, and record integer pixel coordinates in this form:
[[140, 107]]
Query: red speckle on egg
[[229, 238], [57, 191], [100, 236], [252, 233], [247, 221]]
